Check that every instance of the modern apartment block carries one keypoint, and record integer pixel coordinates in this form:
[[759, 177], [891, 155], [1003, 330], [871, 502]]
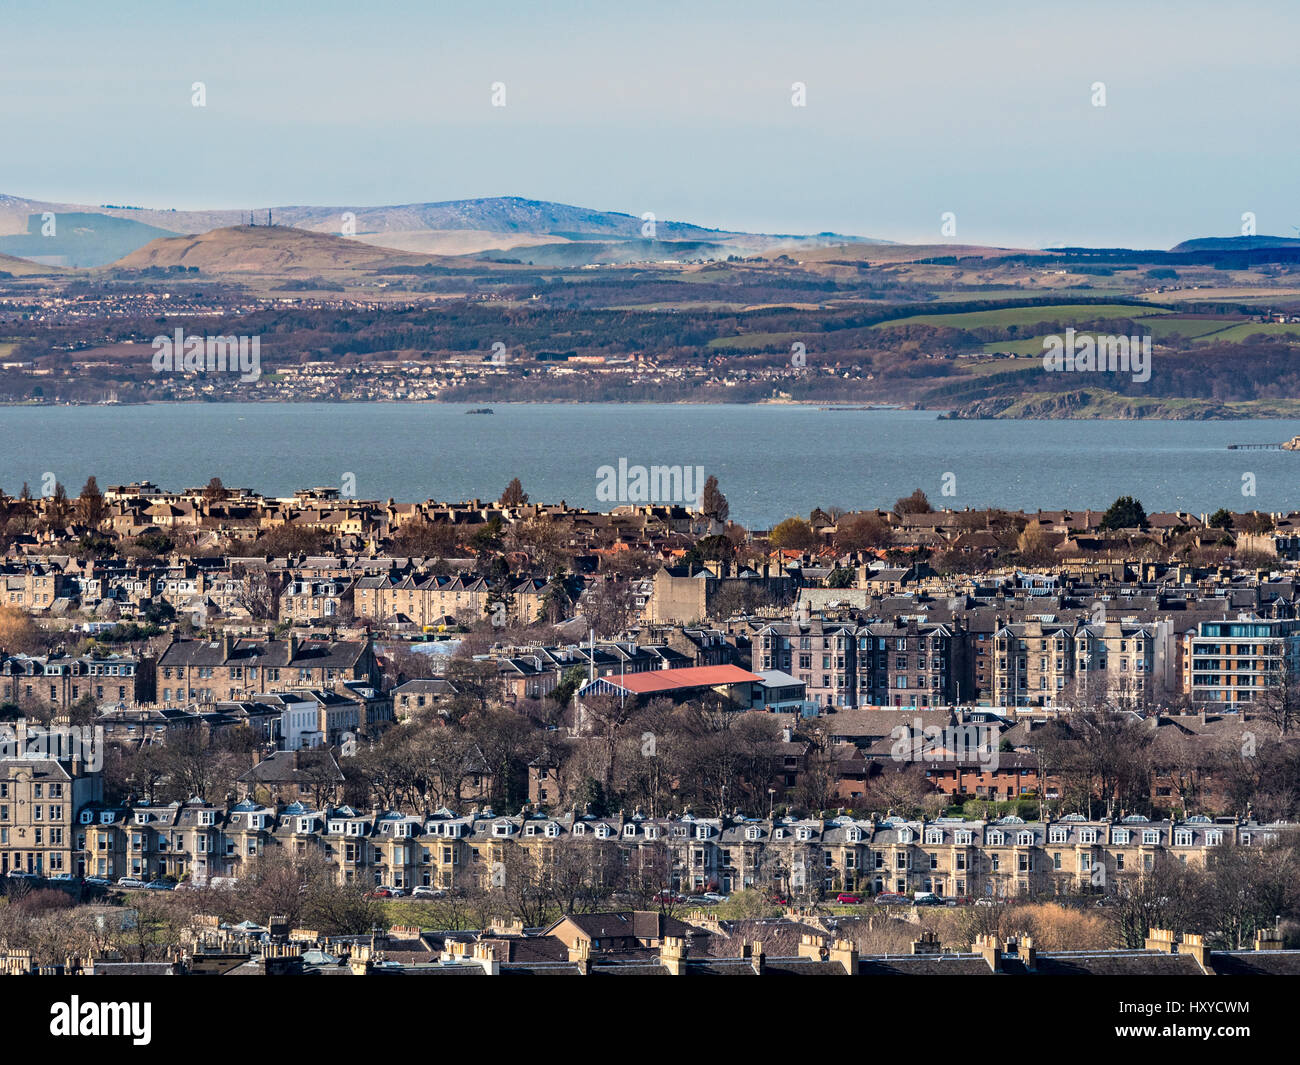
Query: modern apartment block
[[1231, 662]]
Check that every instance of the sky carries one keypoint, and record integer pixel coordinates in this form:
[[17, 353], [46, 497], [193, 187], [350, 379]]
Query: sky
[[684, 109]]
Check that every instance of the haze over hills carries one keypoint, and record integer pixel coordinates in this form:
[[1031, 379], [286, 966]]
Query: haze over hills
[[455, 227]]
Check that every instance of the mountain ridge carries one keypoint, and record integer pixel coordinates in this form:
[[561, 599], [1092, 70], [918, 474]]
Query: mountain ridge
[[447, 227]]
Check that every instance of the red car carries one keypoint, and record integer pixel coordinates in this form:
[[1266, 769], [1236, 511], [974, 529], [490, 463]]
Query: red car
[[848, 899]]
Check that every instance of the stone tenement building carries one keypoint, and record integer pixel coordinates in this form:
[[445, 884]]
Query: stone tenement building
[[950, 857], [61, 681], [231, 669]]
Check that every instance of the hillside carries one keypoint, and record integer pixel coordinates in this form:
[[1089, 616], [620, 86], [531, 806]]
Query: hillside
[[273, 250], [451, 227], [17, 267]]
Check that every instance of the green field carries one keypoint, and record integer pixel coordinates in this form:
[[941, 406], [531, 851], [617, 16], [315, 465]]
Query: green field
[[1160, 328], [1008, 316], [1238, 333], [757, 340]]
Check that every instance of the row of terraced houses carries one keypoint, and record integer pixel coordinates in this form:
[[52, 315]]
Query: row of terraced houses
[[950, 857]]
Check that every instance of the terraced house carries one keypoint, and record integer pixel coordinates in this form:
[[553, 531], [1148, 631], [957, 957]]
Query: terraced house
[[950, 857]]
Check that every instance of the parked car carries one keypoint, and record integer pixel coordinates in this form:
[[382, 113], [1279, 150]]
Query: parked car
[[986, 902], [99, 881], [892, 898], [63, 877], [130, 881], [160, 885], [18, 874], [927, 898], [713, 897], [422, 892], [845, 897]]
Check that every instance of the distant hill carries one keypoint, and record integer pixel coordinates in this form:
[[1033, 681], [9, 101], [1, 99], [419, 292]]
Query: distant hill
[[79, 238], [277, 250], [453, 227], [11, 264], [1235, 243]]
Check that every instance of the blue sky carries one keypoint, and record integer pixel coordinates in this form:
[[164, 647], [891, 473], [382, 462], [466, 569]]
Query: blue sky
[[683, 109]]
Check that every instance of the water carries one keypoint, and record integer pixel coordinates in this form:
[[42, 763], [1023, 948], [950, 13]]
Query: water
[[771, 461]]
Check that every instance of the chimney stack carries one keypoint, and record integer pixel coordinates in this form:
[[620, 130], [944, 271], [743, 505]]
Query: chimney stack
[[672, 955]]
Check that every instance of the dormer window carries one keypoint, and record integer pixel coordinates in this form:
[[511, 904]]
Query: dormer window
[[336, 827], [1213, 838], [602, 831], [963, 837], [753, 833], [87, 816], [933, 835], [996, 839], [106, 818], [502, 829], [304, 824], [853, 835], [1024, 839], [629, 831], [1151, 836], [1057, 835], [552, 829], [651, 831], [206, 818], [1183, 837], [579, 830], [701, 831], [451, 830], [904, 835]]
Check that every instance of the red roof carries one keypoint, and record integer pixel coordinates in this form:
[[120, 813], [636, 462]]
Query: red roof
[[662, 680]]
